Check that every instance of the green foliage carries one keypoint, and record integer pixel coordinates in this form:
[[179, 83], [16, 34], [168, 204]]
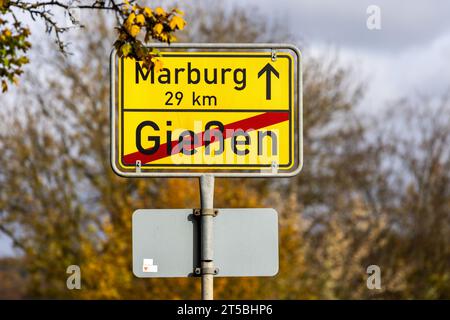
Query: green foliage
[[13, 46]]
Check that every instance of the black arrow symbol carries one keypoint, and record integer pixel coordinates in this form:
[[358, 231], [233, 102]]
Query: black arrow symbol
[[268, 70]]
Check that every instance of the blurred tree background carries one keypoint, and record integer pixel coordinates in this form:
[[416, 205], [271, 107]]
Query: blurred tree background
[[374, 190]]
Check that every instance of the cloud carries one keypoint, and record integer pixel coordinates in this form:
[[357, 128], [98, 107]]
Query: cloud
[[423, 69], [409, 55], [404, 23]]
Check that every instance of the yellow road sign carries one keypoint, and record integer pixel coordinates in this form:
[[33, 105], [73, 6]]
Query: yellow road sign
[[221, 112]]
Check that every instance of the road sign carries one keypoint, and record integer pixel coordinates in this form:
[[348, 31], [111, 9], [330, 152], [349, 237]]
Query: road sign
[[166, 242], [226, 110]]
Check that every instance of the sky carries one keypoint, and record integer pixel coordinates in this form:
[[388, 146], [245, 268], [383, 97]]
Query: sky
[[409, 55]]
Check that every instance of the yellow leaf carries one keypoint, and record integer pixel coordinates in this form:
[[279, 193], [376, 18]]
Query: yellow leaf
[[157, 64], [160, 11], [158, 28], [172, 38], [130, 19], [126, 49], [140, 19], [164, 36], [177, 22], [181, 13], [134, 31], [148, 12]]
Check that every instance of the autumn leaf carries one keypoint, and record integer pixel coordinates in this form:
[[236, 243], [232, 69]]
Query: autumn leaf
[[130, 19], [156, 24], [13, 42], [134, 30], [7, 32], [158, 28], [140, 19], [148, 12], [157, 64], [181, 13], [3, 4], [177, 22], [160, 11], [172, 38], [4, 86], [126, 49]]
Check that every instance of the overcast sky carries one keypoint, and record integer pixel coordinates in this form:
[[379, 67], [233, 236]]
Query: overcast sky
[[409, 55]]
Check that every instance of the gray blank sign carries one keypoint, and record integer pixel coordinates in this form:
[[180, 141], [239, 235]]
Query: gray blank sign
[[166, 242]]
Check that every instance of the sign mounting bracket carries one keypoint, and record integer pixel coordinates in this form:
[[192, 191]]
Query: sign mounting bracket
[[274, 55], [205, 212]]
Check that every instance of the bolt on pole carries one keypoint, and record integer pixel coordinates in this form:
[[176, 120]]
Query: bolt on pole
[[207, 250]]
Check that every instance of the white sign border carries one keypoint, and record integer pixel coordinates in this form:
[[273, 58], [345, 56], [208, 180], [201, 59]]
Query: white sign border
[[267, 46]]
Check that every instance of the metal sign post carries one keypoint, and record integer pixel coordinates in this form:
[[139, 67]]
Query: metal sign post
[[213, 110], [207, 236]]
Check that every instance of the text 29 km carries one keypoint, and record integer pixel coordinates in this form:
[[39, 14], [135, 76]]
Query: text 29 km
[[197, 100]]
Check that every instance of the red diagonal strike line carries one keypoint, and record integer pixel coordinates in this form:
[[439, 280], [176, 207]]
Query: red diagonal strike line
[[249, 124]]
